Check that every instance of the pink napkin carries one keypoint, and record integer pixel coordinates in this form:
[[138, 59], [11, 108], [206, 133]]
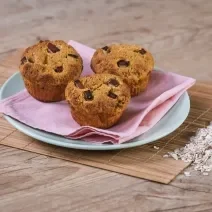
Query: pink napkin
[[143, 112]]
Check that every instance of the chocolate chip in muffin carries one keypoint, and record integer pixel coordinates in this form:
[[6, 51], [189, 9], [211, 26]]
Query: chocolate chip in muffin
[[52, 48], [123, 63], [88, 95], [142, 51], [112, 95], [59, 69], [23, 60], [106, 49], [78, 84], [73, 55], [113, 82]]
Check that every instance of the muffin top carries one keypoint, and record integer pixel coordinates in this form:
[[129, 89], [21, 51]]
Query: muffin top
[[132, 62], [51, 62], [101, 93]]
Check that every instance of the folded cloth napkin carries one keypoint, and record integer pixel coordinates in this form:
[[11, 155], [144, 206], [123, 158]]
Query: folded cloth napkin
[[143, 112]]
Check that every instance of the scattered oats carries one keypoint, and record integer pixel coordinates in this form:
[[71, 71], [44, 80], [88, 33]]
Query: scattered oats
[[156, 147], [166, 156], [187, 174], [198, 151]]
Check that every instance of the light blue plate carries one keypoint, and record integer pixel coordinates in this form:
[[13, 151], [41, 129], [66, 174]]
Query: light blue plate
[[171, 121]]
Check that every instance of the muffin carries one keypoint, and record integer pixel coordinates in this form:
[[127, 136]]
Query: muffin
[[98, 100], [131, 62], [47, 67]]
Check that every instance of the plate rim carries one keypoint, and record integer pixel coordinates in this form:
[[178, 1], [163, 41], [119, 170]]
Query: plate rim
[[17, 124]]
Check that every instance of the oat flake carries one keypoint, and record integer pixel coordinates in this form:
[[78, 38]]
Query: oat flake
[[198, 151], [156, 147], [187, 174], [205, 173]]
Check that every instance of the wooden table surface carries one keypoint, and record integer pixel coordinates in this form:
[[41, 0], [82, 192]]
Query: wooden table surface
[[179, 34]]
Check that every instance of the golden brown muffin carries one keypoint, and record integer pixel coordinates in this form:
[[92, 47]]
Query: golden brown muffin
[[131, 62], [47, 67], [98, 100]]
